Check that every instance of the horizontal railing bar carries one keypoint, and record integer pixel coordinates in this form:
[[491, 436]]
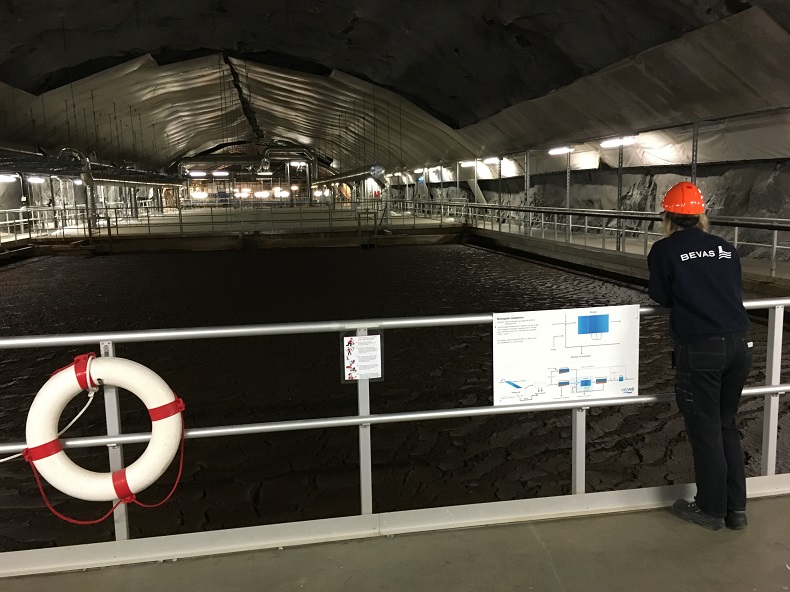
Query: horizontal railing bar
[[258, 330], [759, 223], [294, 328], [357, 420], [243, 331]]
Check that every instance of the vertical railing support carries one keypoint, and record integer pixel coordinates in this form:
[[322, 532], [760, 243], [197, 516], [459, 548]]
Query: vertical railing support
[[365, 459], [773, 366], [694, 145], [569, 234], [620, 242], [112, 414], [774, 245], [526, 190], [578, 449], [567, 197], [180, 214], [585, 231]]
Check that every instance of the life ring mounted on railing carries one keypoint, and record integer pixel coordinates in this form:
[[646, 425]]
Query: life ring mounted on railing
[[44, 450]]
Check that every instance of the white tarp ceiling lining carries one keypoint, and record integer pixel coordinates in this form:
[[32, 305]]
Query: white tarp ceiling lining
[[151, 115]]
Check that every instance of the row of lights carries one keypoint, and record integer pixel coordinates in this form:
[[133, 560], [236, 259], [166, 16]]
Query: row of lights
[[223, 173], [246, 191], [197, 173], [611, 143], [36, 180]]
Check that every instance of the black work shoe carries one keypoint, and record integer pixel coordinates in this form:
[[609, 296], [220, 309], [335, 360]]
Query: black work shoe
[[689, 512], [736, 520]]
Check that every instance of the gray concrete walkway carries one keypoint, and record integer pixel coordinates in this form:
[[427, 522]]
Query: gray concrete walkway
[[648, 551]]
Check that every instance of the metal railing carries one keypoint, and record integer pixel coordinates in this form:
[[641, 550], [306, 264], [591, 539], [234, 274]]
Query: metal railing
[[621, 231], [633, 232], [114, 438], [214, 218]]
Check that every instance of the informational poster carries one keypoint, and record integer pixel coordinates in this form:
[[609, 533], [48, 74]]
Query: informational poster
[[361, 357], [572, 354]]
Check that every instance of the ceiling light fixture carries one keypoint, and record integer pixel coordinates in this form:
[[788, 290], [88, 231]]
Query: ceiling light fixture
[[77, 181], [220, 173], [468, 163], [491, 160], [8, 178], [561, 150], [197, 173], [264, 173], [35, 180], [615, 142], [417, 170]]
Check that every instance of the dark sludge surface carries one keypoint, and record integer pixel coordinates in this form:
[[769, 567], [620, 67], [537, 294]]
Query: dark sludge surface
[[288, 476]]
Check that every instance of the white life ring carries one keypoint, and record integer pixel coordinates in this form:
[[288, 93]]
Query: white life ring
[[44, 449]]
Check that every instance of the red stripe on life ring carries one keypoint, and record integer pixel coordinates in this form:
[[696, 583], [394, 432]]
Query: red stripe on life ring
[[43, 450], [166, 410], [81, 370], [121, 486]]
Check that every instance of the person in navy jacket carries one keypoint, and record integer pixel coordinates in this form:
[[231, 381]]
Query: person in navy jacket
[[698, 277]]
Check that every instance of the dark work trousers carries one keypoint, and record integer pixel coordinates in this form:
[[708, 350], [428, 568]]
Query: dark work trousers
[[708, 383]]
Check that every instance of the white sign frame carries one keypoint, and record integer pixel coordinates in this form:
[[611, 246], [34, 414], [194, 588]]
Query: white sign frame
[[566, 355]]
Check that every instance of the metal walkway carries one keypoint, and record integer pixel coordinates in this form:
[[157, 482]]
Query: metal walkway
[[645, 551]]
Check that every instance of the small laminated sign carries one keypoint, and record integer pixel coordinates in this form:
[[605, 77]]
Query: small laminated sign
[[361, 357]]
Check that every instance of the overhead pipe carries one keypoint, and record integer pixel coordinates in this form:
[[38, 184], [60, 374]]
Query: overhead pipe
[[374, 171], [291, 150], [312, 170]]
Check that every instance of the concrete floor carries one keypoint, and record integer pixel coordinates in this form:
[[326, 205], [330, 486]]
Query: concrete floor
[[645, 551]]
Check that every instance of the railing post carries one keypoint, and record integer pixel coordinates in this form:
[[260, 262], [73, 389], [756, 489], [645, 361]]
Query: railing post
[[529, 223], [735, 239], [774, 244], [773, 366], [585, 231], [112, 414], [578, 449], [365, 470], [180, 216]]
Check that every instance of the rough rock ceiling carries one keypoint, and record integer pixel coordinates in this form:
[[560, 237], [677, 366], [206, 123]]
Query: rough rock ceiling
[[357, 81]]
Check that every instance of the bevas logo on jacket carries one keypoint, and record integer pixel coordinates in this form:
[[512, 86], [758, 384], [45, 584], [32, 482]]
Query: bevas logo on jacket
[[702, 254]]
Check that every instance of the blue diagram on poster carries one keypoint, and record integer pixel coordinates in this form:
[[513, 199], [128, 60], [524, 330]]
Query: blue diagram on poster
[[571, 354]]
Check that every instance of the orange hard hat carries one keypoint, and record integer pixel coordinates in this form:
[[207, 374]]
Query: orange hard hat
[[684, 198]]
